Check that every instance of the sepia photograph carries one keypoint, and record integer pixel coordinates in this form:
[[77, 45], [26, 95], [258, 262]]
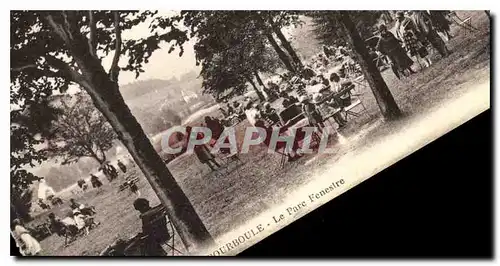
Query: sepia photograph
[[202, 132]]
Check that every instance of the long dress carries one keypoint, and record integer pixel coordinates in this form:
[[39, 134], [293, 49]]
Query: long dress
[[407, 32], [31, 245], [389, 45]]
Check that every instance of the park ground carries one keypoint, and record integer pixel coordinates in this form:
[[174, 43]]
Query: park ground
[[228, 198]]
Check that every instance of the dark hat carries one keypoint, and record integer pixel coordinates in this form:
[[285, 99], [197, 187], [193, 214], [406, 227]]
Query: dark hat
[[400, 14]]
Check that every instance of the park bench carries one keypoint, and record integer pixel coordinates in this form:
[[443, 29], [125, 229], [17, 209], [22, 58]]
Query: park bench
[[125, 185]]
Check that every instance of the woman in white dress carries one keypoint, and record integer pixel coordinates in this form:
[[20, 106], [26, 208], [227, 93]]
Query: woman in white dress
[[31, 246]]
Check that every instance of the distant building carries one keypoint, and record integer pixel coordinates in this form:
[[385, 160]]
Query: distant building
[[188, 96]]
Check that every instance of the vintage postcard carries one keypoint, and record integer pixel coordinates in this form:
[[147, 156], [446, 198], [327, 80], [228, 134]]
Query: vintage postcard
[[187, 133]]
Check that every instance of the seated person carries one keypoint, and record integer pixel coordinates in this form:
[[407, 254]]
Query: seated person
[[230, 110], [311, 112], [74, 205], [87, 211], [223, 111], [342, 84], [82, 221], [340, 101], [58, 226], [154, 228], [289, 100], [215, 126], [270, 113], [308, 73], [324, 81]]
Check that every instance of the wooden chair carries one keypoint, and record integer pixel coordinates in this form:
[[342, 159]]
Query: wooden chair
[[158, 214]]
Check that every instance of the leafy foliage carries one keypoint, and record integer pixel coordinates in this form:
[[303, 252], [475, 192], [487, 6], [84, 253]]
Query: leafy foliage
[[231, 48], [80, 130], [42, 63], [327, 28]]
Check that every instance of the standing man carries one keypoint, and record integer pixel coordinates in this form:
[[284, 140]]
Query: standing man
[[122, 166], [423, 24], [441, 23]]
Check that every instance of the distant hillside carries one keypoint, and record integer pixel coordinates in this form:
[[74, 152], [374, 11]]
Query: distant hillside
[[142, 87], [168, 87]]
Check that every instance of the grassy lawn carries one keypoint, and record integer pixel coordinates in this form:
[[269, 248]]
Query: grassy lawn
[[225, 201]]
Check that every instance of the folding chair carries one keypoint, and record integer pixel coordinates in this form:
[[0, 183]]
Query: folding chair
[[227, 160], [356, 108], [161, 219], [465, 24], [328, 115]]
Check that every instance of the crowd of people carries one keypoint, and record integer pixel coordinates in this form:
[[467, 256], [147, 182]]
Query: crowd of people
[[414, 33], [80, 219]]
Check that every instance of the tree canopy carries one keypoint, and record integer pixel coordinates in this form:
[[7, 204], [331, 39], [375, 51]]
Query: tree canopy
[[79, 131], [42, 64], [53, 50]]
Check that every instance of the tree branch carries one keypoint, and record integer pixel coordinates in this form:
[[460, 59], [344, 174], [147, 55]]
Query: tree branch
[[114, 70], [65, 68], [58, 28], [93, 34], [21, 68]]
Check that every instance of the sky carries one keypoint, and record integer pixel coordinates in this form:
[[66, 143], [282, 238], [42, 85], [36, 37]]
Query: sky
[[161, 65]]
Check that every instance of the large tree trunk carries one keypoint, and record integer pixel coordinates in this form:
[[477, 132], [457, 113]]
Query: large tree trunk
[[281, 54], [259, 80], [96, 157], [259, 93], [383, 96], [107, 99], [268, 33], [288, 47]]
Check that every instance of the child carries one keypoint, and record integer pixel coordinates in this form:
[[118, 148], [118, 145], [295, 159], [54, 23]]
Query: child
[[30, 246]]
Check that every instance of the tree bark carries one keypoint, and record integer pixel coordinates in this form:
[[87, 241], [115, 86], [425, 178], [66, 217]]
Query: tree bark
[[259, 80], [383, 96], [259, 93], [288, 47], [268, 33], [281, 54], [107, 99]]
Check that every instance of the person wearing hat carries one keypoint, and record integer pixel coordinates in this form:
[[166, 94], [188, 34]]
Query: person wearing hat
[[29, 245], [154, 228], [423, 23], [288, 100], [338, 84], [312, 113], [269, 113], [389, 45], [413, 41]]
